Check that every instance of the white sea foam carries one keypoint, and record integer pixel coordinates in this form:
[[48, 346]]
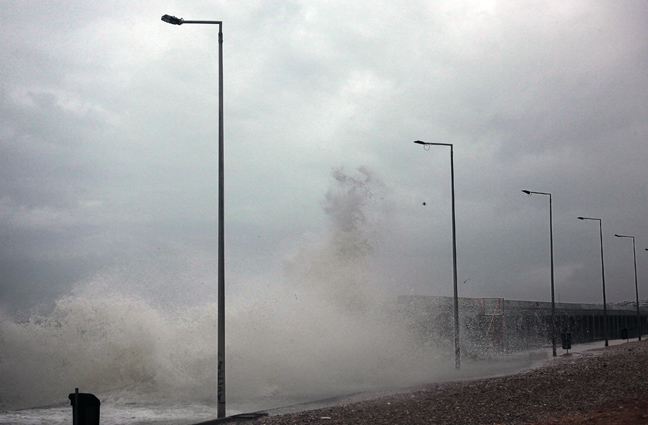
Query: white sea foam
[[323, 330]]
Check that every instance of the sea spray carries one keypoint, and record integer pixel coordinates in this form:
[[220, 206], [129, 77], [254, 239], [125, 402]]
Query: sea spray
[[339, 266], [323, 330], [329, 328]]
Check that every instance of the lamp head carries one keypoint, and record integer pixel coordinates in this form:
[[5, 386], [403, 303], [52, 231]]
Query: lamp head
[[581, 218], [528, 192], [618, 236], [420, 142], [172, 20]]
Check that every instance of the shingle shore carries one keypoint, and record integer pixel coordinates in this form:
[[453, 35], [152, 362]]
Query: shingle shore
[[564, 386]]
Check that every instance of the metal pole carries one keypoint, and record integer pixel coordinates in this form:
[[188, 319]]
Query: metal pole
[[553, 292], [605, 322], [454, 254], [605, 328], [221, 215], [221, 233], [634, 251], [454, 265], [553, 298]]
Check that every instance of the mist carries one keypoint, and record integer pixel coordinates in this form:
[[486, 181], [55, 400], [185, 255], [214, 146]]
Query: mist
[[323, 329]]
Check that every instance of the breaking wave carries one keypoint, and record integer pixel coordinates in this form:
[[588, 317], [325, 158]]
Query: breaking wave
[[323, 330]]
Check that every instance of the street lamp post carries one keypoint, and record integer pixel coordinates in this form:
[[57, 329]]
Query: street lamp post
[[553, 297], [605, 320], [221, 214], [454, 252], [634, 251]]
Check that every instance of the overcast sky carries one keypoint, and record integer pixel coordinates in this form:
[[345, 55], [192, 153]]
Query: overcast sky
[[109, 131]]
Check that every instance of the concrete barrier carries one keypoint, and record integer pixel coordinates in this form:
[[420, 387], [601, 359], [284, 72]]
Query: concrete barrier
[[496, 325]]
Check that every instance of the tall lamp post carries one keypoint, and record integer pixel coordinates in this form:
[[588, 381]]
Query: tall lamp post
[[634, 251], [553, 297], [221, 215], [454, 252], [605, 320]]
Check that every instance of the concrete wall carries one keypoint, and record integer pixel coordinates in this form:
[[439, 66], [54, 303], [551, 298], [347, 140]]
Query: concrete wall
[[495, 325]]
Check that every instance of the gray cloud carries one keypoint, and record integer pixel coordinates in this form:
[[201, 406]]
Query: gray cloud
[[109, 126]]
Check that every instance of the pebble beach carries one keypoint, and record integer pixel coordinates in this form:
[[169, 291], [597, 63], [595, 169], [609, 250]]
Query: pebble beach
[[604, 385]]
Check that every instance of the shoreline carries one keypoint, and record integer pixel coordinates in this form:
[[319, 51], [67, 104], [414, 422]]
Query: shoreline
[[567, 387]]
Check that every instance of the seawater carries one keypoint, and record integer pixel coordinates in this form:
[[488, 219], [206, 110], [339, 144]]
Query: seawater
[[114, 414], [321, 330], [144, 363]]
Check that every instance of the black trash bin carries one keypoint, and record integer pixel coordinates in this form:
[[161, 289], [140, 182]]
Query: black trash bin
[[566, 341], [87, 412]]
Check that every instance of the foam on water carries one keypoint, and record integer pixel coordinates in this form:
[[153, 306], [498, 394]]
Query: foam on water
[[323, 330]]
